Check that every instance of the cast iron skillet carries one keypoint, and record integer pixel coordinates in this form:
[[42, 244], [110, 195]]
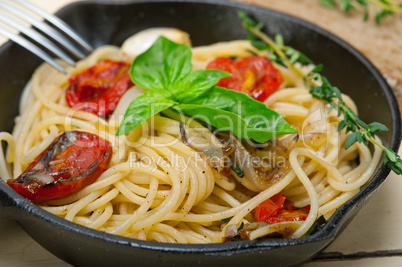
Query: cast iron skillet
[[108, 22]]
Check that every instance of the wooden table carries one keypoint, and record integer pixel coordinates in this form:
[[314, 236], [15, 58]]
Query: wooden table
[[373, 238]]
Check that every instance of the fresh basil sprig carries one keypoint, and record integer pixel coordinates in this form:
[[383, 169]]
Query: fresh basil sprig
[[322, 89], [165, 69]]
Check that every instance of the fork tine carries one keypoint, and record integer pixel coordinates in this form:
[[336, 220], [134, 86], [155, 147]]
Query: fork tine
[[43, 27], [31, 47], [37, 37], [56, 22]]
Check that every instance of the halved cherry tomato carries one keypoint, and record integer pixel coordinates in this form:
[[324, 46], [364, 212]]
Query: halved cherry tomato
[[279, 209], [269, 208], [73, 161], [255, 76], [99, 88]]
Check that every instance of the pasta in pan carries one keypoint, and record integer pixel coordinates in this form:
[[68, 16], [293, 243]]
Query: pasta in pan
[[162, 184]]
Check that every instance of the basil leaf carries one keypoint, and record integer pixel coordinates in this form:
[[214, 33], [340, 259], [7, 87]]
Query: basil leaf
[[141, 109], [224, 121], [163, 64], [197, 83], [165, 70], [254, 113], [228, 121]]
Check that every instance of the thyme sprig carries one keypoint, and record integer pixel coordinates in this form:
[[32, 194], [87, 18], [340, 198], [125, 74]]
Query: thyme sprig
[[322, 89], [384, 7]]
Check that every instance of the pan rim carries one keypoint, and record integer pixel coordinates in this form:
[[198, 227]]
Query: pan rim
[[332, 227]]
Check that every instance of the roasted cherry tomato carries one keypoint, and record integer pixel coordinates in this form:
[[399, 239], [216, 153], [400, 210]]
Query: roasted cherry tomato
[[73, 161], [279, 209], [99, 88], [255, 76], [269, 208]]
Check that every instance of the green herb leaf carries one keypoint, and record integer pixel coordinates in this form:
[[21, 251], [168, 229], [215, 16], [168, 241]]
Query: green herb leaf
[[297, 56], [197, 83], [381, 14], [346, 5], [341, 126], [276, 59], [377, 127], [246, 19], [322, 89], [226, 220], [383, 8], [165, 69], [317, 68], [361, 123], [227, 121], [393, 161], [364, 4], [391, 155], [328, 3], [396, 167], [260, 45], [317, 226], [161, 66], [351, 139], [141, 109], [279, 40], [236, 168], [250, 119]]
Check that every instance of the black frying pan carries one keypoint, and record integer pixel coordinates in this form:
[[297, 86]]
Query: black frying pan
[[111, 22]]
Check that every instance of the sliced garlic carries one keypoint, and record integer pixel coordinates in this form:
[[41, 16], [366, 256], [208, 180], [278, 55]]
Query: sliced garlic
[[141, 41], [41, 177]]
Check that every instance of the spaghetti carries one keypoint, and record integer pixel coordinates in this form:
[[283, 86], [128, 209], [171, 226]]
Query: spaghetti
[[162, 187]]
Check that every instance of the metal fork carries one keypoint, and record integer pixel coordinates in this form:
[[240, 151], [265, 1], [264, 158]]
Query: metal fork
[[12, 12]]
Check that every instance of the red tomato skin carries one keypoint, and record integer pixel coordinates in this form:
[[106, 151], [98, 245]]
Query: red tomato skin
[[279, 200], [287, 216], [78, 165], [255, 76], [279, 209], [99, 88], [269, 208]]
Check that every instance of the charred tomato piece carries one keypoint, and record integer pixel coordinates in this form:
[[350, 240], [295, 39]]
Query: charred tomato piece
[[255, 76], [73, 161], [279, 209], [99, 88]]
